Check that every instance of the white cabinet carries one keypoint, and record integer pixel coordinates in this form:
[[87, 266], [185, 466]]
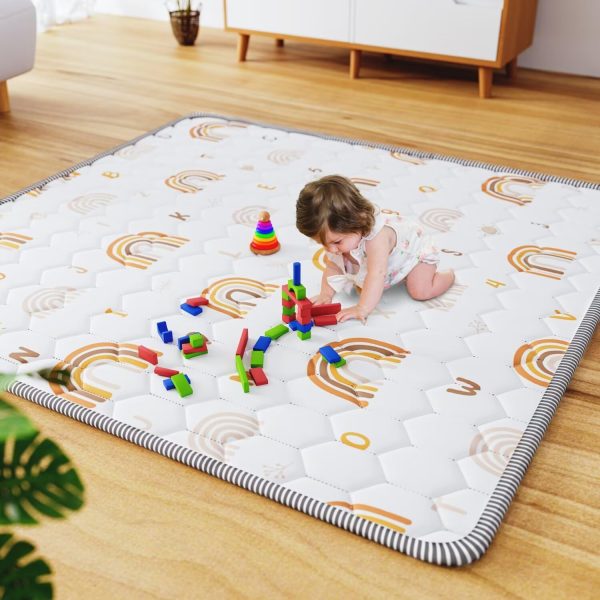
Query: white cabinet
[[429, 26], [487, 34], [319, 19]]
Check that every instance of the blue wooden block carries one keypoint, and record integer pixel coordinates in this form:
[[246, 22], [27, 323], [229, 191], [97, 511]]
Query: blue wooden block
[[167, 336], [293, 325], [304, 328], [330, 355], [297, 277], [192, 310], [161, 326], [183, 340], [262, 343]]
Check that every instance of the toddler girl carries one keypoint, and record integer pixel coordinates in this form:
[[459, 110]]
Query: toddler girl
[[366, 250]]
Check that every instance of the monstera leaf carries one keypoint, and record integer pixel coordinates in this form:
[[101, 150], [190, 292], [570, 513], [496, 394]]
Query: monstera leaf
[[37, 479], [13, 424], [20, 580]]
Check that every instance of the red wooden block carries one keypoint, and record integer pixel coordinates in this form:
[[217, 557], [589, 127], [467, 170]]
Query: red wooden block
[[199, 301], [258, 376], [288, 318], [189, 349], [323, 320], [242, 343], [326, 309], [288, 303], [164, 372], [304, 309], [148, 355]]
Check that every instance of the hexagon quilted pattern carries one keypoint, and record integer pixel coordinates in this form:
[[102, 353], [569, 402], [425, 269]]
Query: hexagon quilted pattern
[[415, 432]]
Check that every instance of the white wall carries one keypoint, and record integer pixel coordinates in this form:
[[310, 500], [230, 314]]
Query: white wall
[[211, 16], [566, 36]]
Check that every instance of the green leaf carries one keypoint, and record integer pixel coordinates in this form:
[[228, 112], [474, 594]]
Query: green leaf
[[19, 579], [5, 381], [13, 424], [38, 480]]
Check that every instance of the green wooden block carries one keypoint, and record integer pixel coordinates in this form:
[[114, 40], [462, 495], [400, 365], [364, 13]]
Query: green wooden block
[[277, 331], [290, 312], [299, 291], [196, 340], [304, 335], [340, 363], [239, 365], [257, 358], [285, 295], [181, 385]]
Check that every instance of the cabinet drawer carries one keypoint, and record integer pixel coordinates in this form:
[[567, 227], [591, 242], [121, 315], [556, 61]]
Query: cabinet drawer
[[321, 19], [465, 28]]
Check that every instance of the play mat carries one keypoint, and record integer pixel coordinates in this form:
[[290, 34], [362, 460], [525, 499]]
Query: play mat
[[419, 441]]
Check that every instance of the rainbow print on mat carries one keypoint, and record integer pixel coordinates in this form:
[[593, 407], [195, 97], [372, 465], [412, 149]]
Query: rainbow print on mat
[[264, 240]]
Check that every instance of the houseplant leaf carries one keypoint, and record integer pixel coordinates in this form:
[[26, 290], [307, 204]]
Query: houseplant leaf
[[13, 424], [38, 480], [21, 580]]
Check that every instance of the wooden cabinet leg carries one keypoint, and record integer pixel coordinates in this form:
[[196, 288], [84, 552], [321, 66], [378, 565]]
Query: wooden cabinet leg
[[243, 41], [485, 82], [355, 56], [279, 42], [4, 102], [511, 68]]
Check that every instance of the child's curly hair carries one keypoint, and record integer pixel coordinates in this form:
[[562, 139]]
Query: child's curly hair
[[333, 203]]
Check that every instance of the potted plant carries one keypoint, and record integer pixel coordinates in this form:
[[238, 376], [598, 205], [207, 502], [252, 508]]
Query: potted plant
[[185, 20]]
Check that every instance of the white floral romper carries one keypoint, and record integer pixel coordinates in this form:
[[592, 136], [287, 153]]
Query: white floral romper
[[412, 247]]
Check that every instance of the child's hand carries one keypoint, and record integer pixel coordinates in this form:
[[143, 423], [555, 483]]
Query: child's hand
[[354, 312], [322, 298]]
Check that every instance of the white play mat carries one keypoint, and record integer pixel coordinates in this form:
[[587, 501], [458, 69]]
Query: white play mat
[[420, 440]]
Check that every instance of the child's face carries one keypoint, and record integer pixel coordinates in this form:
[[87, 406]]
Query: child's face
[[341, 243]]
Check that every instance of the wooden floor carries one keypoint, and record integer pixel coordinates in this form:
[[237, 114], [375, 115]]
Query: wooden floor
[[153, 528]]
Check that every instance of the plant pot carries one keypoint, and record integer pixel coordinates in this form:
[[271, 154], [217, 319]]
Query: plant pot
[[185, 25]]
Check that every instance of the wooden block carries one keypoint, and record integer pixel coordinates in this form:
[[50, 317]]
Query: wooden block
[[257, 358], [182, 385], [242, 343], [323, 320], [198, 301], [190, 352], [262, 343], [196, 340], [239, 366], [326, 309], [277, 331], [330, 355], [258, 376], [192, 310], [164, 372], [148, 355]]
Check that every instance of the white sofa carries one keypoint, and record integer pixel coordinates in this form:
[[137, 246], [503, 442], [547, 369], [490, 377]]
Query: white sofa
[[17, 43]]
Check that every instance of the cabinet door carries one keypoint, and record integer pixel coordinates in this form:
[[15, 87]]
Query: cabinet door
[[322, 19], [465, 28]]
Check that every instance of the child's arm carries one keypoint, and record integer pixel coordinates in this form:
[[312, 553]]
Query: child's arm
[[327, 292], [378, 250]]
